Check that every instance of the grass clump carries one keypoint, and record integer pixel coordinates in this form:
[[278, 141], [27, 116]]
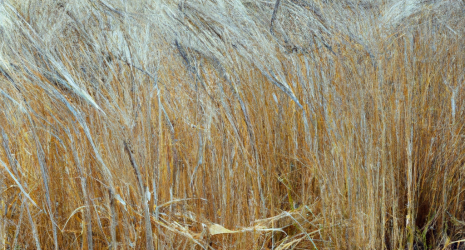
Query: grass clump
[[232, 124]]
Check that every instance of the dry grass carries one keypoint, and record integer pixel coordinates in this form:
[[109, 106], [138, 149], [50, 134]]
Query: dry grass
[[232, 124]]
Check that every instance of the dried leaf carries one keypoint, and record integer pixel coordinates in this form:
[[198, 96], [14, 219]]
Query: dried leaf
[[218, 229]]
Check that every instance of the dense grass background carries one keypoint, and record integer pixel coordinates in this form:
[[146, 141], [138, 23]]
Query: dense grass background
[[232, 124]]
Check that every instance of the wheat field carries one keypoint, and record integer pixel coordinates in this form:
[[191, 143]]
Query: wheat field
[[232, 124]]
